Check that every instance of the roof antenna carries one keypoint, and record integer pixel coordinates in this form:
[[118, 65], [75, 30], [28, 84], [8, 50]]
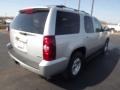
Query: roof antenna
[[92, 9], [65, 2], [79, 4]]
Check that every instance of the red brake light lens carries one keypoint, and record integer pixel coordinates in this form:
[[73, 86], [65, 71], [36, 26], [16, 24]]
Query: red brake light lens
[[49, 48], [27, 11]]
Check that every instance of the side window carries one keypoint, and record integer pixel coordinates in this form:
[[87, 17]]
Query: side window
[[98, 27], [88, 23], [67, 23]]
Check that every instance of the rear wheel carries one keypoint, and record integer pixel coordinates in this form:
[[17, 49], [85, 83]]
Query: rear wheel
[[75, 65]]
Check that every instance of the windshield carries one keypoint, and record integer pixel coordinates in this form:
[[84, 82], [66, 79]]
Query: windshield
[[33, 23]]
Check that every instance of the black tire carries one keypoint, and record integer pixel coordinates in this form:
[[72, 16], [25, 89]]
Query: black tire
[[76, 57], [105, 48]]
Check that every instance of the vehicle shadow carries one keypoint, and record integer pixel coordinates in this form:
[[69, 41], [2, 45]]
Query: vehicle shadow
[[96, 71]]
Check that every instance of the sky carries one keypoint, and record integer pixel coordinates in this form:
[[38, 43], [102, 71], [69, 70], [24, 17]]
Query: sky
[[105, 10]]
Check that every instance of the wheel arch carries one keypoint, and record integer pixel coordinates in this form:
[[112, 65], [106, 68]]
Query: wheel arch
[[80, 49]]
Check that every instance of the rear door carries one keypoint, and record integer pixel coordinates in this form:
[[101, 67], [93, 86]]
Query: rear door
[[91, 39], [100, 34], [27, 32], [67, 32]]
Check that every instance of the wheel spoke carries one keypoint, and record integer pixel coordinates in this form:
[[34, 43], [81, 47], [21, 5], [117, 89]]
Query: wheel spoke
[[76, 66]]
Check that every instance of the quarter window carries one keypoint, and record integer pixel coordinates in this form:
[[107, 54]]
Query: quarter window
[[67, 23], [98, 27], [88, 24]]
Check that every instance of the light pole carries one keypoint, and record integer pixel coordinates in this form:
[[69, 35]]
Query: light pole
[[93, 1], [79, 4], [65, 3]]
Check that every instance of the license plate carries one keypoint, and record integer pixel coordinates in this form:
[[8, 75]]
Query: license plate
[[21, 46]]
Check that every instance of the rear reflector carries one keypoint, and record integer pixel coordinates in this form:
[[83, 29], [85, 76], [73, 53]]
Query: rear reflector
[[49, 48]]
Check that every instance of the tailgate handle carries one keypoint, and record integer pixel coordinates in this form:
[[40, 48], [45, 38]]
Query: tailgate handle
[[26, 34], [23, 33]]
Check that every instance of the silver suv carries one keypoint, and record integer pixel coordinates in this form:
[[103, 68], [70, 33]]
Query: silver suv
[[55, 39]]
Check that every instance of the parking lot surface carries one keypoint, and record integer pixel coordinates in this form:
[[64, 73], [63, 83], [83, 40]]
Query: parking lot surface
[[102, 73]]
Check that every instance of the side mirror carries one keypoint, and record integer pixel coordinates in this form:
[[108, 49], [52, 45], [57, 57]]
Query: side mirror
[[105, 29]]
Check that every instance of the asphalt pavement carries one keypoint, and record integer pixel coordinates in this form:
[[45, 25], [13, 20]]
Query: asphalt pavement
[[102, 73]]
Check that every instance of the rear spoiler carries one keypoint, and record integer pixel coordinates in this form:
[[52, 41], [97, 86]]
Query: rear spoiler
[[34, 10]]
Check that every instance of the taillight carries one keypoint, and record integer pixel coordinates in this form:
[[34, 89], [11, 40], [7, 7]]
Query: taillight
[[49, 48]]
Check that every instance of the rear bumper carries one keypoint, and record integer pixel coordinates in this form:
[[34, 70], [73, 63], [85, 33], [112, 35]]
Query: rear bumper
[[46, 68]]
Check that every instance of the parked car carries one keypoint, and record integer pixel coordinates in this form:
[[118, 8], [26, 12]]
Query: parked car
[[55, 39], [109, 30], [115, 27]]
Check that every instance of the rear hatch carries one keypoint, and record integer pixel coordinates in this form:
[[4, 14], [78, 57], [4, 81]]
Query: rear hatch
[[26, 33]]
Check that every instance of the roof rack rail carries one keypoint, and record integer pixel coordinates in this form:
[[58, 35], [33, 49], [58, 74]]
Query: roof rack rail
[[85, 12], [63, 6]]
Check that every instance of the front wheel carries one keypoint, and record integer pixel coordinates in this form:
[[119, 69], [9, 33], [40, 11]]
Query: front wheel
[[105, 49]]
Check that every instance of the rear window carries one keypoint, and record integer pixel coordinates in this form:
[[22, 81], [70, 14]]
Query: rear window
[[33, 23], [67, 23]]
